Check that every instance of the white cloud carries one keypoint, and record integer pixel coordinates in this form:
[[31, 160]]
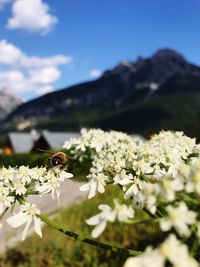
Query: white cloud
[[95, 73], [3, 3], [32, 16], [13, 79], [22, 73], [45, 76], [9, 54]]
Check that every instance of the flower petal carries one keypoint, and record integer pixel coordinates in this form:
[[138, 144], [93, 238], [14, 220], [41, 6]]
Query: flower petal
[[26, 229], [99, 229], [85, 187], [94, 220], [37, 226], [18, 219], [93, 187], [101, 188]]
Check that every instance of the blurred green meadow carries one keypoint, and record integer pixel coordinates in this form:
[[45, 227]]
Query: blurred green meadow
[[56, 249]]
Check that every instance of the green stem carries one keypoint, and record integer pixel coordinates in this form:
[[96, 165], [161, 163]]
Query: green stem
[[195, 242], [190, 200], [32, 193], [149, 213], [144, 221], [3, 213], [161, 211], [195, 247], [89, 241]]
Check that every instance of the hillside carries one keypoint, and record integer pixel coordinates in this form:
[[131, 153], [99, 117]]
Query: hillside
[[173, 112], [149, 94]]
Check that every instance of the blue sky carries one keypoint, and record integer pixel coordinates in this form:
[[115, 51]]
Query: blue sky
[[89, 36]]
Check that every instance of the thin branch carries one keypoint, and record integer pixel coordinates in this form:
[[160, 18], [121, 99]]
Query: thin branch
[[3, 213], [89, 241], [144, 221]]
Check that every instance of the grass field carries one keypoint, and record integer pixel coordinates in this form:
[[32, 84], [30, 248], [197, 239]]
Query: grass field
[[56, 249]]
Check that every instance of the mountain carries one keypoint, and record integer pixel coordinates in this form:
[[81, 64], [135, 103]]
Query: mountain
[[128, 87], [8, 102]]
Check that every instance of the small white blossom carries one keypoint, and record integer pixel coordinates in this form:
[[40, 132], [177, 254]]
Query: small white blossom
[[51, 182], [19, 187], [5, 201], [134, 188], [180, 218], [171, 250], [123, 179], [95, 184], [169, 187], [151, 258], [63, 175], [107, 215], [121, 212], [27, 214], [177, 253]]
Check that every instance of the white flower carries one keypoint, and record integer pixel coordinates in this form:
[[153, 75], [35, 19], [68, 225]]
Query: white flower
[[150, 258], [134, 188], [63, 175], [177, 253], [139, 200], [121, 212], [28, 213], [60, 175], [24, 174], [180, 218], [38, 173], [5, 201], [52, 187], [171, 250], [123, 178], [101, 219], [7, 174], [96, 183], [19, 187], [169, 187], [51, 182]]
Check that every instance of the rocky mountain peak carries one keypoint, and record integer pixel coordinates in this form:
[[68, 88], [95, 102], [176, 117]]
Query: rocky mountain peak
[[168, 54], [123, 68], [157, 68]]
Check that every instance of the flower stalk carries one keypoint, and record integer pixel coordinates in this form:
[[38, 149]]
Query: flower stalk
[[3, 213], [116, 249]]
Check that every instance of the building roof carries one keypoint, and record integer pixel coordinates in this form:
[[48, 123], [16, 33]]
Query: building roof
[[56, 139], [21, 142]]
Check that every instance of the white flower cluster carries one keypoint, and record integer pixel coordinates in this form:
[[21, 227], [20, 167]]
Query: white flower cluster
[[16, 184], [160, 176], [121, 212], [112, 155], [171, 251], [163, 154]]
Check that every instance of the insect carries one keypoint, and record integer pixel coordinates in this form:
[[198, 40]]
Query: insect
[[58, 159]]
